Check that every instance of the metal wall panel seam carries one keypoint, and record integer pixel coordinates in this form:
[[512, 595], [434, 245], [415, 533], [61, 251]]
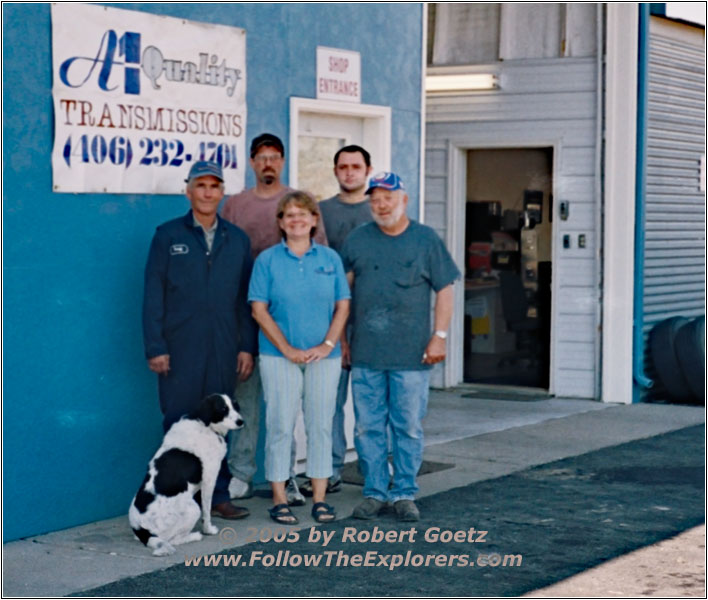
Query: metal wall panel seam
[[640, 378], [599, 186]]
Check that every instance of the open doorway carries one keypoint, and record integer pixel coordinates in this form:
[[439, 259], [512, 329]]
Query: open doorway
[[508, 270]]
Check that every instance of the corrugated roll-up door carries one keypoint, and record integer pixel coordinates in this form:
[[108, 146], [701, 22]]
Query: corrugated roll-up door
[[674, 275]]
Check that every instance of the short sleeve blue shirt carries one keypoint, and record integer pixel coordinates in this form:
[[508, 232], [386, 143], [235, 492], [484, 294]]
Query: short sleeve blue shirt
[[300, 292]]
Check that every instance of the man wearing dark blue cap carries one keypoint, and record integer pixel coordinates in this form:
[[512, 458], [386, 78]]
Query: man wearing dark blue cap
[[197, 328], [394, 264]]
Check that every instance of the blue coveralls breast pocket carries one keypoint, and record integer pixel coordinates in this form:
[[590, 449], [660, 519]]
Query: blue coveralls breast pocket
[[182, 270]]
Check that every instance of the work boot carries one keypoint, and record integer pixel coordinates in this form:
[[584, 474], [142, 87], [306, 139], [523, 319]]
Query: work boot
[[226, 510], [406, 510], [368, 509]]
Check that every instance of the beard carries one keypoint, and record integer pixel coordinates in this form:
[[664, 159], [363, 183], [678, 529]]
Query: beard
[[391, 219]]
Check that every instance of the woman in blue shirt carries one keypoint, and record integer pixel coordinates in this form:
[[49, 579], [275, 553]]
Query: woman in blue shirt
[[300, 298]]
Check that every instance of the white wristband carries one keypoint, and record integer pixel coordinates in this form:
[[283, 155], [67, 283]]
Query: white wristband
[[329, 343], [440, 333]]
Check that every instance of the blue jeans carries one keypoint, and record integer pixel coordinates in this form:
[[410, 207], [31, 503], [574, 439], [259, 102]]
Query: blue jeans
[[398, 398], [339, 440]]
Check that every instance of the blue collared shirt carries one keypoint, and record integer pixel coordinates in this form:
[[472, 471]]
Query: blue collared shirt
[[301, 292]]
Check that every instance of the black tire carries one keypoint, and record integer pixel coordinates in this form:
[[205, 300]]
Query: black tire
[[662, 341], [691, 355]]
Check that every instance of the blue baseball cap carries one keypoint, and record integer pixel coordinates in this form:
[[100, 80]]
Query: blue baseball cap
[[387, 181], [205, 167]]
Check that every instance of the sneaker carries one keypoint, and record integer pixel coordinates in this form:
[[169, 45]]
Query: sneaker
[[240, 489], [406, 510], [368, 509], [306, 488], [333, 486], [292, 493]]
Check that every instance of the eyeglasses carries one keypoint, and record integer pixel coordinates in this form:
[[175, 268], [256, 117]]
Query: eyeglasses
[[384, 198], [262, 158]]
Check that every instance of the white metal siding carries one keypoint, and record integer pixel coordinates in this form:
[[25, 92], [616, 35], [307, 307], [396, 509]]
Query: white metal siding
[[674, 252], [539, 103]]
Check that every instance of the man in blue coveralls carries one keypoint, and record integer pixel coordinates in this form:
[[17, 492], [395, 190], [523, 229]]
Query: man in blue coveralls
[[197, 328]]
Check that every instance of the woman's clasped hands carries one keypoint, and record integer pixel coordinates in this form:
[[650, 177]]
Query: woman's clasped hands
[[308, 356]]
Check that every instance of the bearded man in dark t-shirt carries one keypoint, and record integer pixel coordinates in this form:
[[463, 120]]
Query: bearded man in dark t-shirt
[[393, 265]]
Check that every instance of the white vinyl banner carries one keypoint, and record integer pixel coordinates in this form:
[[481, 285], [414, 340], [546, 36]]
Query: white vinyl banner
[[138, 98]]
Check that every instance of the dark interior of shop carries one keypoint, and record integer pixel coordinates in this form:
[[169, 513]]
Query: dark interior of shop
[[508, 267]]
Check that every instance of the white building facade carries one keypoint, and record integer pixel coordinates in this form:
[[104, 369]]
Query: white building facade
[[531, 178]]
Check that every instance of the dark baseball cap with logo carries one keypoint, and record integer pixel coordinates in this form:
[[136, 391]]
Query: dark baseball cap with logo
[[267, 139], [205, 167]]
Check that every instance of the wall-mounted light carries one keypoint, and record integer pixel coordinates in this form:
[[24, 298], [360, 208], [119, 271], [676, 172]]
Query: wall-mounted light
[[460, 83]]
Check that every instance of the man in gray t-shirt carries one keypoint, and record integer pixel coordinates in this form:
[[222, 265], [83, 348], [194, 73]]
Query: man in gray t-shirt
[[393, 265], [349, 208], [341, 214]]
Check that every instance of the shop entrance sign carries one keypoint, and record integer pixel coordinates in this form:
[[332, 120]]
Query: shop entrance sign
[[338, 74]]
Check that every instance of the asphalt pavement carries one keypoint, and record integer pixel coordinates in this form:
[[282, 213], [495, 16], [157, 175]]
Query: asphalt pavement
[[559, 486]]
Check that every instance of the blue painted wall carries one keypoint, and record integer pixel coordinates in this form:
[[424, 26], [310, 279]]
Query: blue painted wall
[[81, 417]]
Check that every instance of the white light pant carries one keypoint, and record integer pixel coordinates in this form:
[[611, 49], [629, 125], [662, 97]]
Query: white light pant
[[287, 386]]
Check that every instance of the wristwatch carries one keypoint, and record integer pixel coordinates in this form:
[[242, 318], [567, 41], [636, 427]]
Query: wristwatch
[[440, 333]]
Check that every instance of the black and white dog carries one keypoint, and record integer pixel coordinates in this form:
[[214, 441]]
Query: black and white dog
[[164, 510]]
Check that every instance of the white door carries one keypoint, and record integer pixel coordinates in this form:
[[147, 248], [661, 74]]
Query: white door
[[318, 128], [318, 139]]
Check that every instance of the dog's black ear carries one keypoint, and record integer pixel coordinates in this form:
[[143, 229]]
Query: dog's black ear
[[212, 409]]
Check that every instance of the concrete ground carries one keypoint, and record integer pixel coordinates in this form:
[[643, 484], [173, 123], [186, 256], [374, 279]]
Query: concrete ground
[[672, 568], [484, 439]]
